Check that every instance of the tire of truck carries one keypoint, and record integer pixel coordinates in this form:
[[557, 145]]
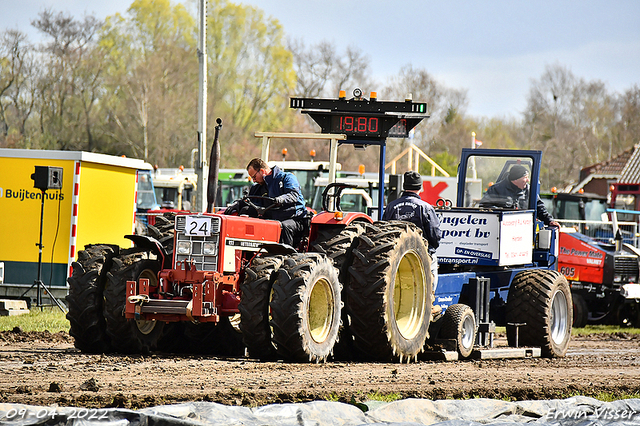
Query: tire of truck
[[389, 292], [580, 311], [305, 308], [128, 335], [254, 306], [459, 323], [338, 246], [85, 300], [541, 299], [221, 339], [628, 314]]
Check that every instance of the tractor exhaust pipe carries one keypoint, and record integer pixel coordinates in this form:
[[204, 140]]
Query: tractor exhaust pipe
[[618, 239], [214, 168]]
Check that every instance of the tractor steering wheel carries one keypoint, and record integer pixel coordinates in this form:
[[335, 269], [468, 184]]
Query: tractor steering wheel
[[261, 210]]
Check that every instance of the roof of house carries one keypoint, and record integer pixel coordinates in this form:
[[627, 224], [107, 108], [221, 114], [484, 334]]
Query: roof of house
[[612, 168], [631, 171]]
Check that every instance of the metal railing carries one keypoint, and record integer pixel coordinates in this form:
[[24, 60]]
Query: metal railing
[[603, 231]]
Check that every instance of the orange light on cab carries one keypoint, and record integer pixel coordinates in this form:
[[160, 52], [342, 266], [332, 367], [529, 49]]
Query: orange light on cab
[[373, 96], [554, 189], [338, 215], [312, 154], [361, 169], [284, 153], [581, 191], [611, 188], [342, 95]]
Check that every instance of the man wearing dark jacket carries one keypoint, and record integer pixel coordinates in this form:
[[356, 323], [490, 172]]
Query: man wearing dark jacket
[[284, 188], [411, 208], [513, 193]]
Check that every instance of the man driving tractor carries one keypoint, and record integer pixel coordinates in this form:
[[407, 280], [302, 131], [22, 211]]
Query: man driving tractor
[[287, 202]]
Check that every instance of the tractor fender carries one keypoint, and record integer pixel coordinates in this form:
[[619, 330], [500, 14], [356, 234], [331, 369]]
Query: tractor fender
[[328, 218], [278, 248], [149, 243]]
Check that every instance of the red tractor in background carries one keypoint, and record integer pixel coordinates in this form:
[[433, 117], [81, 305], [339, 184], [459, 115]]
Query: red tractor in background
[[601, 268]]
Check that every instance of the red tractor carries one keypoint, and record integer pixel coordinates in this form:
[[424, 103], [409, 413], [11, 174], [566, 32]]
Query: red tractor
[[215, 283]]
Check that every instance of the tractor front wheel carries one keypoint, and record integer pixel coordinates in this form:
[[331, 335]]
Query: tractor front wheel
[[459, 323], [129, 335], [580, 311]]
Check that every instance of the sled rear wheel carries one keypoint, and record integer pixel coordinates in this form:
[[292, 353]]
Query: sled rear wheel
[[541, 299]]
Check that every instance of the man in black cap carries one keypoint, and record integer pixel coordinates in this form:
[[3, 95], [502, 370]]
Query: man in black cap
[[411, 208], [513, 193]]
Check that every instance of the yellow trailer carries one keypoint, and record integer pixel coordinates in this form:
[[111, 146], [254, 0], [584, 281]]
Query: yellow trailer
[[96, 203]]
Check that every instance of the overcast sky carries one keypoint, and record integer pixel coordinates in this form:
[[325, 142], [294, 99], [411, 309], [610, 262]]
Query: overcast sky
[[493, 49]]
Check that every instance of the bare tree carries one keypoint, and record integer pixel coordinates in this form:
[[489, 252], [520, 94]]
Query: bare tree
[[628, 124], [443, 130], [71, 85], [322, 71], [571, 120], [17, 77]]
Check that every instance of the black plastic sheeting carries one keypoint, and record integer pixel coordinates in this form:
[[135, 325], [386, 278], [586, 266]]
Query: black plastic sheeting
[[578, 411]]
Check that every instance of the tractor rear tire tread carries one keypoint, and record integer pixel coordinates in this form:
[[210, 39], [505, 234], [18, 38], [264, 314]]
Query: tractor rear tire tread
[[580, 311], [339, 248], [123, 332], [85, 300], [254, 306], [290, 308], [370, 291]]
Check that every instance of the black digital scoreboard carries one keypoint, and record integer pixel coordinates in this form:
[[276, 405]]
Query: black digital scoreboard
[[364, 122], [363, 119]]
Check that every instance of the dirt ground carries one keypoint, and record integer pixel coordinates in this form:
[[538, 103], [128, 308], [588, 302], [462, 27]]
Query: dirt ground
[[45, 369]]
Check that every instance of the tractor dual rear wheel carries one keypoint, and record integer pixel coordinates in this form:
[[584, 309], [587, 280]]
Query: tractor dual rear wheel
[[305, 308], [389, 292], [85, 300], [338, 244], [541, 299]]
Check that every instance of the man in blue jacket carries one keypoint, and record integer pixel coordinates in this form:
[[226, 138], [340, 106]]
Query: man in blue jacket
[[284, 188], [411, 208]]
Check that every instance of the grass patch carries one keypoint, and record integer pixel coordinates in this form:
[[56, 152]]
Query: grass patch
[[603, 396], [603, 329], [377, 396], [50, 318], [592, 329]]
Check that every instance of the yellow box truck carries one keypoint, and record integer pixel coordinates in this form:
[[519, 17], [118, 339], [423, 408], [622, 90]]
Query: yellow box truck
[[94, 203]]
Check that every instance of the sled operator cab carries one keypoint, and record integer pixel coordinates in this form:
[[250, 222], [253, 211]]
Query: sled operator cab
[[497, 257]]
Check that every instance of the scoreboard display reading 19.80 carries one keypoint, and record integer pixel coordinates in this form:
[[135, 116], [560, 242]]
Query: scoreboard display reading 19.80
[[361, 118], [356, 125]]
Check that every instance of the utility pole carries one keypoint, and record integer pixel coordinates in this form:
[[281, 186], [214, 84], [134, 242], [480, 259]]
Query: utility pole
[[202, 168]]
